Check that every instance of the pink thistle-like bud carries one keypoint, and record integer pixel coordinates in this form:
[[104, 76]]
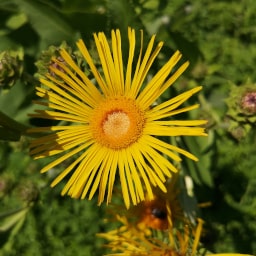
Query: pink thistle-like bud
[[248, 101]]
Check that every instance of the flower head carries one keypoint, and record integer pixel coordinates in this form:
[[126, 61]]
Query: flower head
[[248, 101], [242, 102], [138, 240], [164, 208], [241, 113], [113, 123], [133, 240]]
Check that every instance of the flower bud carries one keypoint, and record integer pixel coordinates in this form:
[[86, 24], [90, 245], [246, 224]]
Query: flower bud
[[28, 192], [241, 109], [11, 67], [5, 185], [242, 103], [45, 60], [248, 102]]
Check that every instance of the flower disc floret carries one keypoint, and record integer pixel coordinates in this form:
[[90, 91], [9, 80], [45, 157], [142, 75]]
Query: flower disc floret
[[117, 123]]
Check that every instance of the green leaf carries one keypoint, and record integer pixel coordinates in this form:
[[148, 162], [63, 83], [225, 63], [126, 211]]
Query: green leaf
[[16, 21], [47, 22], [7, 221], [9, 135], [79, 6], [123, 14], [11, 101], [10, 227], [200, 171]]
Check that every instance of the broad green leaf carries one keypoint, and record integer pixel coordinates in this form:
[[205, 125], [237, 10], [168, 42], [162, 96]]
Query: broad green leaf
[[47, 22], [9, 135], [123, 14], [200, 171]]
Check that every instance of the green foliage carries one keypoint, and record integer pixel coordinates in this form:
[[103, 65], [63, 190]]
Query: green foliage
[[217, 37]]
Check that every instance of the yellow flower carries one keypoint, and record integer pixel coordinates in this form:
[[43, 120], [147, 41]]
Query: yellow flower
[[137, 240], [113, 122], [133, 240], [154, 213], [228, 254]]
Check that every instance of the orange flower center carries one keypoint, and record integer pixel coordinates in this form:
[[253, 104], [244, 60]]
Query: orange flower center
[[154, 214], [117, 122]]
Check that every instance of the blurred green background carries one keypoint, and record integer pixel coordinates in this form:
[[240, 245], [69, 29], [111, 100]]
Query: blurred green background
[[219, 40]]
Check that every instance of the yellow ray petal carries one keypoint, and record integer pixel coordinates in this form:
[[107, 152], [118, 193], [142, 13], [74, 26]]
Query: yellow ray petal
[[142, 168], [96, 179], [160, 130], [55, 115], [161, 147], [128, 78], [181, 97], [124, 185], [134, 172], [60, 92], [64, 157], [181, 122], [65, 131], [64, 173], [118, 60], [142, 69], [173, 103], [106, 62], [174, 77], [105, 180], [58, 143], [165, 145], [160, 162], [83, 49], [151, 91], [74, 88], [62, 108], [129, 178], [79, 178], [86, 84], [57, 99], [53, 128], [98, 175], [113, 168]]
